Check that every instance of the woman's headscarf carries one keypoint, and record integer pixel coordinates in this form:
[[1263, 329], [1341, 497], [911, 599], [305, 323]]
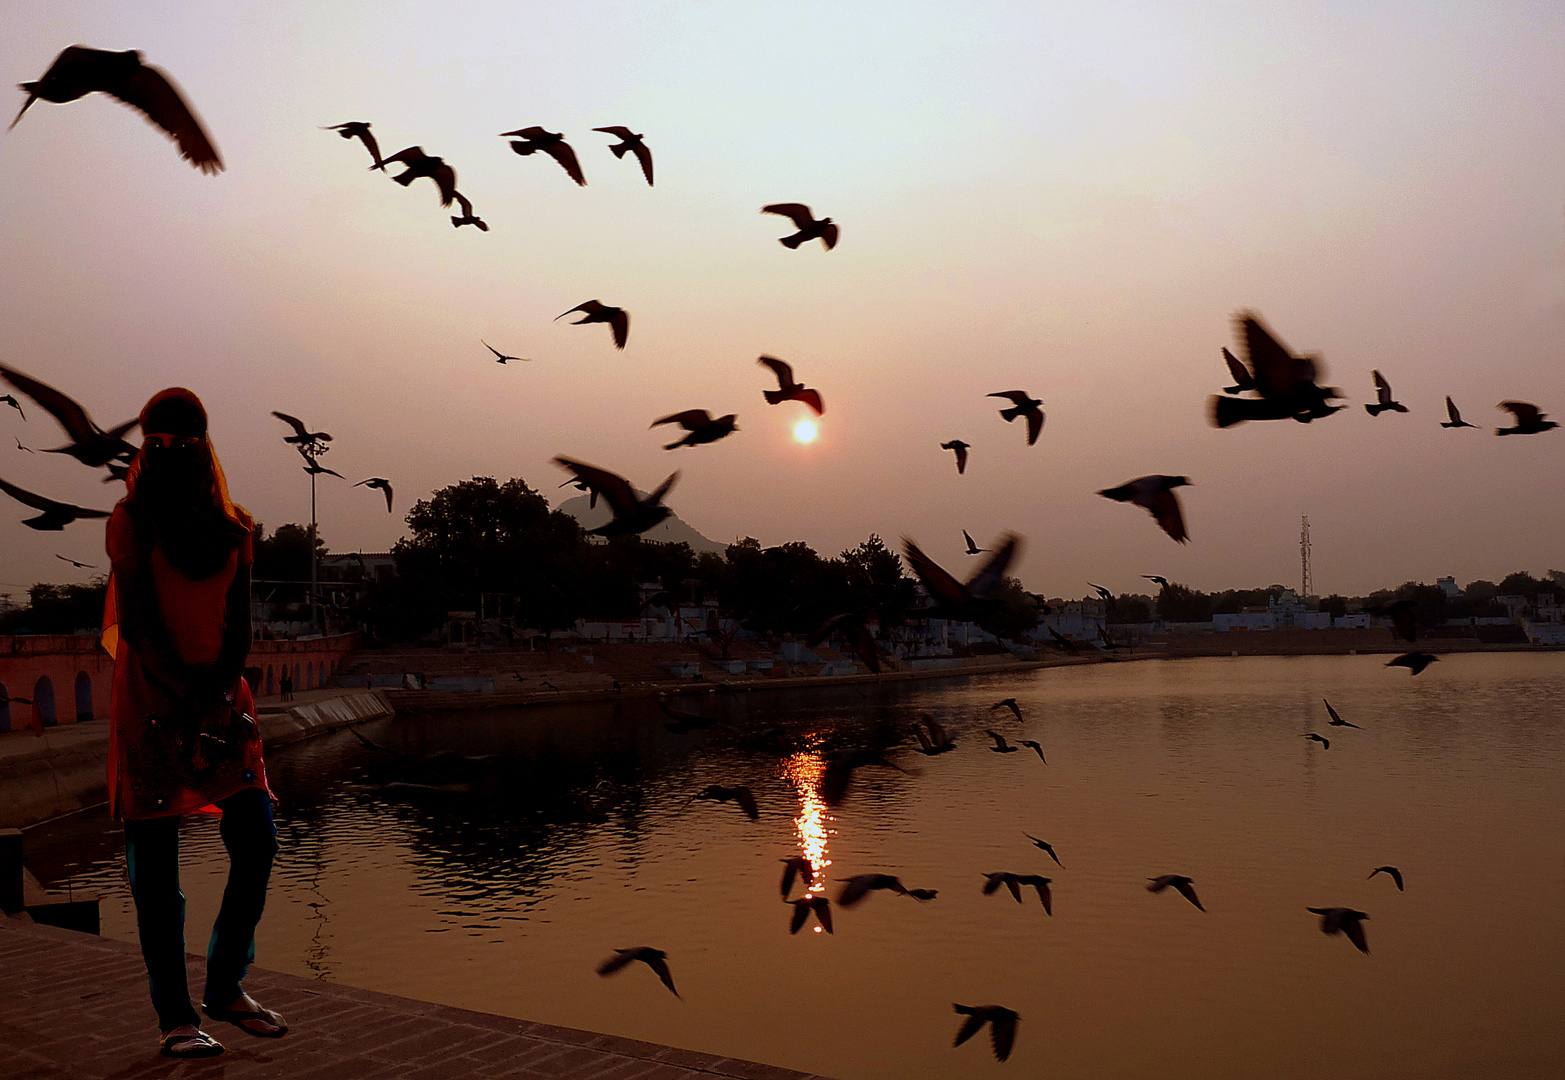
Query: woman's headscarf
[[198, 539]]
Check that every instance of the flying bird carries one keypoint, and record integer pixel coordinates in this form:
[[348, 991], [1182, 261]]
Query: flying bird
[[1455, 415], [1335, 920], [656, 959], [1008, 703], [809, 229], [936, 742], [301, 434], [55, 515], [90, 444], [840, 767], [1529, 421], [1157, 579], [1243, 380], [501, 358], [10, 399], [801, 913], [1384, 401], [632, 514], [1396, 875], [1413, 661], [1325, 743], [700, 426], [796, 866], [861, 885], [466, 217], [960, 449], [421, 164], [79, 71], [381, 483], [78, 565], [1336, 721], [1286, 383], [1046, 848], [1060, 641], [534, 139], [972, 548], [1023, 405], [1156, 495], [629, 140], [315, 468], [953, 599], [788, 389], [1037, 748], [1182, 885], [592, 311], [1016, 882], [719, 794], [13, 700], [360, 129], [1403, 615], [592, 492], [852, 625], [1000, 745], [1002, 1026], [1103, 594]]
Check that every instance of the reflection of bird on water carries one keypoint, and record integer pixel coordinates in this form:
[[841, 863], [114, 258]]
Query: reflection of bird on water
[[1002, 1026], [1396, 875], [421, 164], [631, 513], [630, 141], [79, 71], [789, 389], [1045, 847], [1000, 745], [796, 866], [1155, 494], [1413, 661], [809, 228], [656, 959], [1023, 405], [1179, 883], [530, 140], [90, 444], [593, 311], [1325, 743], [55, 515], [801, 913], [1008, 703], [360, 129], [1336, 721], [719, 794], [1335, 920]]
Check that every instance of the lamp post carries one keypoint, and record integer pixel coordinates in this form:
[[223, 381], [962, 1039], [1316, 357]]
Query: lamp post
[[311, 446]]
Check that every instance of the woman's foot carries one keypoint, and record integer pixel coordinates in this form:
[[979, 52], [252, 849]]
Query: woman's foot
[[244, 1013], [189, 1041]]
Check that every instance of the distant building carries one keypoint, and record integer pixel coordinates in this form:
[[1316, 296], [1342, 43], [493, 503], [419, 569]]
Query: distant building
[[358, 566], [1514, 606], [1448, 586]]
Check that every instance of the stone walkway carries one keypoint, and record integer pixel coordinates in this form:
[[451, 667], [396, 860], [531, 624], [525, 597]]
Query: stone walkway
[[75, 1007]]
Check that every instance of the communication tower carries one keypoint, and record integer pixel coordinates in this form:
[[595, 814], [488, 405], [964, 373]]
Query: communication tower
[[1307, 582]]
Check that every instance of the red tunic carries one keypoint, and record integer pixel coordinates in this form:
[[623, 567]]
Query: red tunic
[[164, 756]]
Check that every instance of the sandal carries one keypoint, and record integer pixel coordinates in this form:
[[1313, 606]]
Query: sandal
[[258, 1021], [189, 1041]]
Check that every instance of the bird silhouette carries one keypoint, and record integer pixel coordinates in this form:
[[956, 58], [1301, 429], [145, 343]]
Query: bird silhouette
[[859, 886], [534, 139], [684, 722], [1037, 748], [1403, 615], [840, 767], [594, 312], [9, 399], [1455, 415], [1016, 882], [788, 389], [381, 483], [923, 894], [315, 468], [90, 444], [1414, 661], [1243, 380], [1060, 641], [1156, 495], [1002, 1027], [466, 217], [851, 624], [1182, 885], [1103, 594], [1023, 405], [823, 230], [1396, 875], [301, 435], [1336, 721], [1045, 847], [972, 548], [1325, 743], [953, 599], [960, 449], [78, 565], [13, 700], [1008, 703], [501, 358], [592, 492], [360, 129], [656, 959], [1384, 401], [1335, 920], [1000, 745], [631, 513], [1156, 579], [700, 426], [55, 515], [79, 71], [1286, 383], [629, 140], [421, 164], [801, 913], [1529, 421], [740, 794], [796, 866], [936, 741]]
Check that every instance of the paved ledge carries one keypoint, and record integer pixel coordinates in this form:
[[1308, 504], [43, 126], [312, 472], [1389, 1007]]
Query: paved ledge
[[75, 1007]]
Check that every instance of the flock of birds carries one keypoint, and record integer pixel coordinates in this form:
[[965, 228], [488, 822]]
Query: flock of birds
[[1269, 382]]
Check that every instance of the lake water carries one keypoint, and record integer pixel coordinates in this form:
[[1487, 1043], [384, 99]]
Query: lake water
[[504, 900]]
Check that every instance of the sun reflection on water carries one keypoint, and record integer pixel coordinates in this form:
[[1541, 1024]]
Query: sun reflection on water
[[813, 824]]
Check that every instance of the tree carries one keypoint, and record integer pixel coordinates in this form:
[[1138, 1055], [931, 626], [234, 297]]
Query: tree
[[58, 609], [1179, 603], [285, 555], [1018, 615]]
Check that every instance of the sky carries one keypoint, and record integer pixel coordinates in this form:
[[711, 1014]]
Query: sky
[[1069, 199]]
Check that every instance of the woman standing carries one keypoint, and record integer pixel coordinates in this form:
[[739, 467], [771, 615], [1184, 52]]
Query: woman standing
[[182, 735]]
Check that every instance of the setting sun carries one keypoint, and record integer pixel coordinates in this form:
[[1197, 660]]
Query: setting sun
[[804, 431]]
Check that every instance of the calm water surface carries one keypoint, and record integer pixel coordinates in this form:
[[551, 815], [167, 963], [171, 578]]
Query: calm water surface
[[504, 899]]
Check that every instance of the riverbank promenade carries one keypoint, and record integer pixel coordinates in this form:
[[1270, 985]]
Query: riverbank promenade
[[75, 1007]]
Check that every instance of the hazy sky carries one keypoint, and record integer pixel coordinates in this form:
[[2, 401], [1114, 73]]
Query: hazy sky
[[1065, 198]]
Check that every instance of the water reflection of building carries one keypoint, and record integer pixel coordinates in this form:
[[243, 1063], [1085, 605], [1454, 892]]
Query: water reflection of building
[[812, 826]]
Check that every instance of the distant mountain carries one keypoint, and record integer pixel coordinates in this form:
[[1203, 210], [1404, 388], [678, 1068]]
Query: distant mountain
[[671, 531]]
